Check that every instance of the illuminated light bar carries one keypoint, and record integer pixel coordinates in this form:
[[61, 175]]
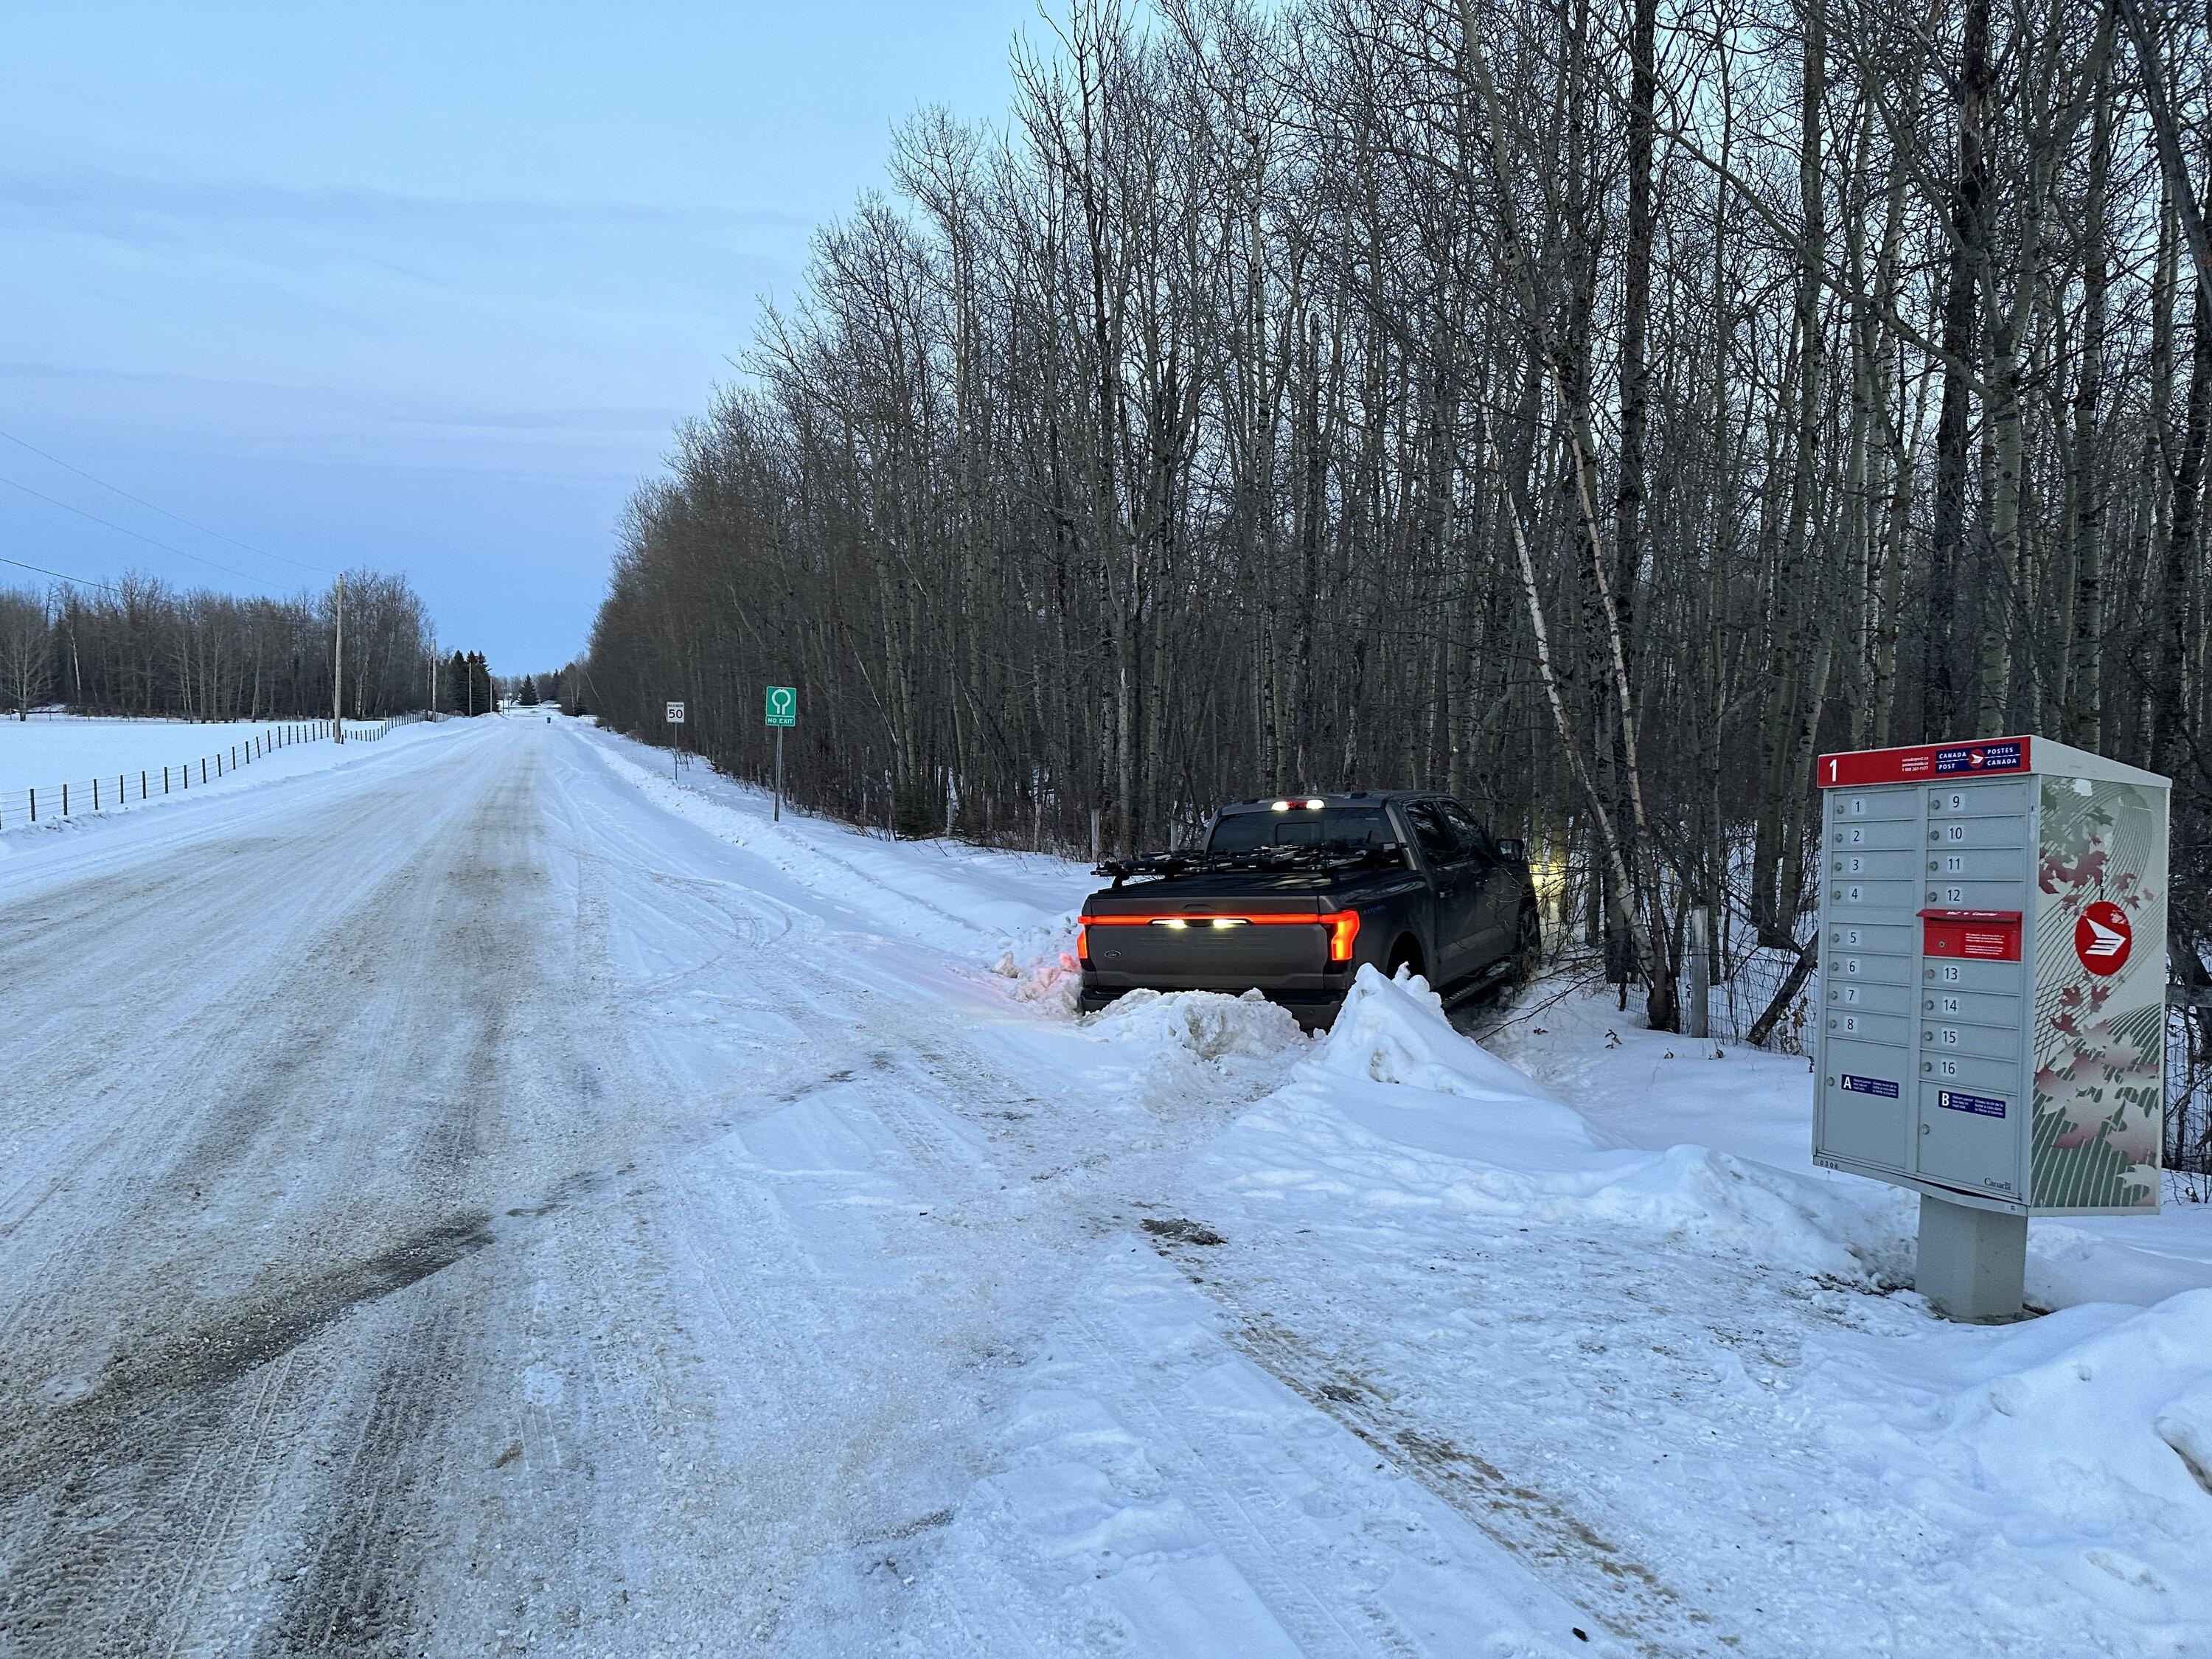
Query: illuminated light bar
[[1280, 806], [1315, 804], [1343, 926]]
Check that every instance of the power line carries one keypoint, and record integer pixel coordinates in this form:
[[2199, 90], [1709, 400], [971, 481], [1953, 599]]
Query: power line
[[189, 524], [134, 535], [79, 581]]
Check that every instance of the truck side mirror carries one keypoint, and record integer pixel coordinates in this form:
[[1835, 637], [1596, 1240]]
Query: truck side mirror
[[1512, 851]]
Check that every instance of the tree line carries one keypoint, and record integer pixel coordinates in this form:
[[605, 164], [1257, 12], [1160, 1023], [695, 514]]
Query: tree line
[[138, 646], [1594, 408]]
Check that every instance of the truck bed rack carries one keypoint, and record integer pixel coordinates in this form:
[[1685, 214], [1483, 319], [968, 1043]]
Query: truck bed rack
[[1319, 861]]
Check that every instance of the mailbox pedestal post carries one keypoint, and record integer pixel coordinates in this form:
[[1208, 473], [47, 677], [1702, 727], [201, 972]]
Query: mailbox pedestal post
[[1972, 1262]]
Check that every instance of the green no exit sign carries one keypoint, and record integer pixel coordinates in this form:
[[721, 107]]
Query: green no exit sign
[[783, 705]]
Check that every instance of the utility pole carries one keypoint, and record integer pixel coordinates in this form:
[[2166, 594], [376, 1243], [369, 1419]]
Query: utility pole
[[338, 672]]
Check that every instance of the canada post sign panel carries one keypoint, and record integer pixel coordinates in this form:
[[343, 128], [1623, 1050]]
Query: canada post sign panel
[[1992, 1022]]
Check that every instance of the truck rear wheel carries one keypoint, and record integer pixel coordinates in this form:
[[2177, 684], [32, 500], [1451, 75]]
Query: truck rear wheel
[[1405, 954], [1528, 945]]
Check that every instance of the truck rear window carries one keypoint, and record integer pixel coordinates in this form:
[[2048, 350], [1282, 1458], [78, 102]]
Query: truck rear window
[[1345, 829]]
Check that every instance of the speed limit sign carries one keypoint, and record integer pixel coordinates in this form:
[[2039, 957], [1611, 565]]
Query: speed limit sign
[[676, 713]]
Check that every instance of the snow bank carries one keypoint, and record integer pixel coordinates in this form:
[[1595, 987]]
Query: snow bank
[[1399, 1109], [2111, 1408], [1394, 1030], [1013, 913], [1659, 1090], [1205, 1024], [1040, 962]]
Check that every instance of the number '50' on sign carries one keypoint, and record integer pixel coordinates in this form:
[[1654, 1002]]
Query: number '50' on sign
[[782, 705]]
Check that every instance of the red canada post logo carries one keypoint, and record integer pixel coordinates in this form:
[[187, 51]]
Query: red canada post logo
[[2103, 937]]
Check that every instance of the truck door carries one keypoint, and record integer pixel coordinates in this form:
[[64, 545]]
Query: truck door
[[1497, 903], [1450, 877]]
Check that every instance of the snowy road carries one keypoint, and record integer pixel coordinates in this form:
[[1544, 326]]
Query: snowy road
[[487, 1198], [463, 1206], [372, 1269]]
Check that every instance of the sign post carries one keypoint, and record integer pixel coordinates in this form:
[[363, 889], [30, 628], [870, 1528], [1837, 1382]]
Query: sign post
[[781, 710], [675, 718], [1992, 1026]]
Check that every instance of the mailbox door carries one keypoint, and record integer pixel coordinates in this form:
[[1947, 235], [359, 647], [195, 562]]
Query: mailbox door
[[1970, 1024], [1870, 890]]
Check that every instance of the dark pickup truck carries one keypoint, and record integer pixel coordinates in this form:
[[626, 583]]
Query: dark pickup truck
[[1289, 896]]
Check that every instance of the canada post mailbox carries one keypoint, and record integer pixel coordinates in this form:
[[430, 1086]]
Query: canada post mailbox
[[1992, 1027]]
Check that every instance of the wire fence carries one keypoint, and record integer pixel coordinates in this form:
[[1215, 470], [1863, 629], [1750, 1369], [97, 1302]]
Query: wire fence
[[369, 732], [124, 790]]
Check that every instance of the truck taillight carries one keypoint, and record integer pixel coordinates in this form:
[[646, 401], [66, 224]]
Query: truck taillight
[[1083, 941], [1343, 927]]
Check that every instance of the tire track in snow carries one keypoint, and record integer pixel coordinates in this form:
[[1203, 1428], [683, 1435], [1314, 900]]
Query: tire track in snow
[[1628, 1597], [1277, 1551]]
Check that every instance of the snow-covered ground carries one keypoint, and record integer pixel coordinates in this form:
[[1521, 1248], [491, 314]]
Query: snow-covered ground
[[113, 766], [1657, 1089], [493, 1196]]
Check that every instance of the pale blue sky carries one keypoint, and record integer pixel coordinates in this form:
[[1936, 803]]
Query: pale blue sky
[[422, 287]]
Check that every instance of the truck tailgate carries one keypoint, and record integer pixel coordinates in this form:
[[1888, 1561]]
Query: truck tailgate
[[1215, 948]]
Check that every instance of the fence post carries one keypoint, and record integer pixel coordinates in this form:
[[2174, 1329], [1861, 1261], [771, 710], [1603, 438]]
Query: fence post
[[165, 779], [65, 800], [141, 785], [1700, 1000], [35, 806]]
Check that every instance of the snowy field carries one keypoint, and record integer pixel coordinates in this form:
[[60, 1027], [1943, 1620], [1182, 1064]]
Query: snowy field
[[49, 747], [529, 1204], [50, 750]]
